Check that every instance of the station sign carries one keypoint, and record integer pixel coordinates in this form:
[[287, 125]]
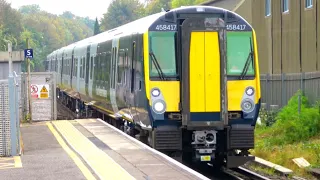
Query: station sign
[[40, 91], [28, 53]]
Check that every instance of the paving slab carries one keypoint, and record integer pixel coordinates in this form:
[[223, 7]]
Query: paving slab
[[135, 157], [43, 157]]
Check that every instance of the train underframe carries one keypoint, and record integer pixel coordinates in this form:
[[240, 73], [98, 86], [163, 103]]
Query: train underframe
[[228, 147]]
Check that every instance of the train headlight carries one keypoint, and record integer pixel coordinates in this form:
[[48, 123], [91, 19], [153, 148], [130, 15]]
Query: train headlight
[[249, 91], [155, 92], [159, 106], [247, 105]]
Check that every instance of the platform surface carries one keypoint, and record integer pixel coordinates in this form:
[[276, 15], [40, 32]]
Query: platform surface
[[43, 157], [89, 149]]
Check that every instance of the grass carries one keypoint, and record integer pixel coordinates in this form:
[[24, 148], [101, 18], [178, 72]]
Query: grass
[[286, 135]]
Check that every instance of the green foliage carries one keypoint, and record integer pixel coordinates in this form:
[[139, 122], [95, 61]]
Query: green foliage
[[46, 32], [30, 9], [96, 27], [179, 3], [268, 118], [155, 6], [121, 12], [290, 126]]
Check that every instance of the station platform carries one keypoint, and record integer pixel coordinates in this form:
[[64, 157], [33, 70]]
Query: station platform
[[89, 149]]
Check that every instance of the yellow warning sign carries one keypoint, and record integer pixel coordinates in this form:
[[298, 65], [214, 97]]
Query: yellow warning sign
[[44, 89], [44, 94]]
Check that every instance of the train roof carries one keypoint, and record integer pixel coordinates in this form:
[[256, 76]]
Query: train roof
[[142, 25]]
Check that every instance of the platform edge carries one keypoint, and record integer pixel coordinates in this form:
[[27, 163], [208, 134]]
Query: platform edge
[[193, 172]]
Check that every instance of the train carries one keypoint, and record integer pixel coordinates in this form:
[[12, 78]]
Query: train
[[185, 81]]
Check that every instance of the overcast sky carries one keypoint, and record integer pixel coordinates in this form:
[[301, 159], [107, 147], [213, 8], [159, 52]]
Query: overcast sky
[[91, 8]]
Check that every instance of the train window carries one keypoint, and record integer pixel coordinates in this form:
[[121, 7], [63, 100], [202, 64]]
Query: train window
[[114, 67], [75, 67], [84, 67], [121, 60], [107, 68], [125, 67], [309, 3], [80, 68], [68, 66], [162, 50], [285, 6], [91, 67], [238, 50], [132, 65], [268, 7]]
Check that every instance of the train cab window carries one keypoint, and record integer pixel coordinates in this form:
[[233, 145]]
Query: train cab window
[[238, 51], [162, 51]]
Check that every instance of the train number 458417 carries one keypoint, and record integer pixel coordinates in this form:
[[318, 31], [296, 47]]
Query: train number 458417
[[166, 27], [236, 27]]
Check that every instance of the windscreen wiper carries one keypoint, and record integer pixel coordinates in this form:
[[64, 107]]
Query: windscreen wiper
[[246, 66], [156, 64]]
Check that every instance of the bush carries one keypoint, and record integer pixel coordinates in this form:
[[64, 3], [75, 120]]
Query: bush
[[268, 118], [290, 126]]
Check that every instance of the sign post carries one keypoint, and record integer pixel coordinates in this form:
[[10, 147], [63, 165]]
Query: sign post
[[28, 53]]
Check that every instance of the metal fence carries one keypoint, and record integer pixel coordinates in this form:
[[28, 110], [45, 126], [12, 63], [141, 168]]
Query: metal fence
[[277, 89], [43, 104], [9, 117]]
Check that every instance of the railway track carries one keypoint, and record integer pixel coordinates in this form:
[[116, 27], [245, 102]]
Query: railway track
[[207, 170], [241, 173], [64, 113]]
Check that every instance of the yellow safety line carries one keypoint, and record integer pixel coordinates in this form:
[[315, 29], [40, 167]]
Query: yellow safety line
[[9, 167], [104, 166], [17, 162], [85, 171], [5, 159]]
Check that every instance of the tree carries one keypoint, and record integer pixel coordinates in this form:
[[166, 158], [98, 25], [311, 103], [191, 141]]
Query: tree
[[68, 15], [179, 3], [96, 27], [30, 9], [121, 12], [11, 26], [155, 6]]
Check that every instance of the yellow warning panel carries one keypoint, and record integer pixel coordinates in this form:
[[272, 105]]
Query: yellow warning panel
[[44, 93], [44, 96], [44, 89]]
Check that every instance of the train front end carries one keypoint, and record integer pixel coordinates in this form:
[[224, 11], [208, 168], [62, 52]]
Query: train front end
[[202, 76]]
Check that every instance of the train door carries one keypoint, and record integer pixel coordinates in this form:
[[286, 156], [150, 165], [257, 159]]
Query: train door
[[132, 76], [113, 73], [203, 73], [87, 70]]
